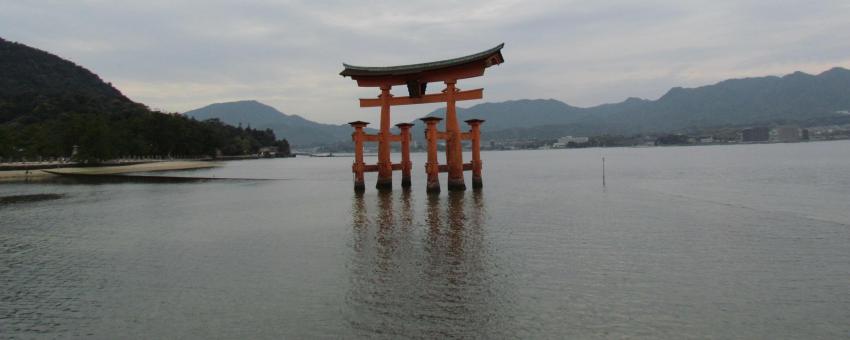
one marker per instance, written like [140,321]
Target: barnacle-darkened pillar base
[359,186]
[384,184]
[456,184]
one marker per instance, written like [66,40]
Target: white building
[570,139]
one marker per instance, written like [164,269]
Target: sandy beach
[21,175]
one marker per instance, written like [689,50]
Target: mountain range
[794,98]
[38,87]
[797,98]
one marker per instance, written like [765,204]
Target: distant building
[570,139]
[706,140]
[268,152]
[756,134]
[787,134]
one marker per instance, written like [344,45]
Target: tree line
[50,107]
[54,127]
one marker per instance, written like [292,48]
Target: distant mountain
[797,97]
[518,113]
[297,130]
[794,97]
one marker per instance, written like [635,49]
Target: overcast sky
[179,55]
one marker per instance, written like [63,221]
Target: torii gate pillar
[475,135]
[432,167]
[385,165]
[454,150]
[359,167]
[406,164]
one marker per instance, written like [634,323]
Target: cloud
[181,55]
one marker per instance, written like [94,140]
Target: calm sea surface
[743,241]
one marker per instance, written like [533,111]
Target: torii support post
[475,135]
[385,165]
[359,166]
[406,164]
[432,167]
[454,148]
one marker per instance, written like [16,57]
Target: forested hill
[48,105]
[797,97]
[36,83]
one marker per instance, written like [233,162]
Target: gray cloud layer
[179,55]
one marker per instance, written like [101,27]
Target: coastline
[27,175]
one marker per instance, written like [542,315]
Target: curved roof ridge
[353,70]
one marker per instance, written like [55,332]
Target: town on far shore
[756,134]
[727,135]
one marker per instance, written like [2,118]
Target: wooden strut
[360,167]
[432,167]
[426,99]
[453,136]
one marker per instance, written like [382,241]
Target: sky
[180,55]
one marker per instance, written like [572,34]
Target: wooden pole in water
[475,133]
[454,148]
[432,167]
[385,166]
[359,166]
[406,164]
[603,172]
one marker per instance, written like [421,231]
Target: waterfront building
[787,134]
[755,134]
[566,140]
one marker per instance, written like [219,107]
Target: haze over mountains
[38,87]
[297,130]
[795,98]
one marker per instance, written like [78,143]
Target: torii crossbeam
[416,78]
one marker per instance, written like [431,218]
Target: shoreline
[28,175]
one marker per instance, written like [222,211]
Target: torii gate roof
[489,57]
[417,76]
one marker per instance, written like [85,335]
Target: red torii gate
[416,77]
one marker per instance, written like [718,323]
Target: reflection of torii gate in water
[416,77]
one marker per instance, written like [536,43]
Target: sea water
[738,241]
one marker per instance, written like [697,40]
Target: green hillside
[48,105]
